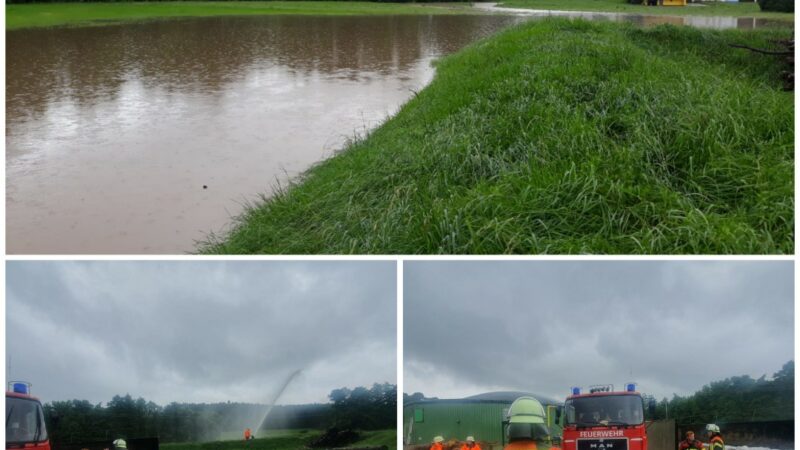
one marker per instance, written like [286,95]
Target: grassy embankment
[82,14]
[285,440]
[560,136]
[727,9]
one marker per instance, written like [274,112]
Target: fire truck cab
[25,427]
[604,419]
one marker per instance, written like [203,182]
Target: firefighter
[470,444]
[437,443]
[690,442]
[120,443]
[526,427]
[715,441]
[247,434]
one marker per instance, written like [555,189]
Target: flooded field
[144,138]
[712,22]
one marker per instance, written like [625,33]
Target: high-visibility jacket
[716,443]
[687,444]
[437,446]
[247,434]
[474,447]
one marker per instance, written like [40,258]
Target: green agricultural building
[481,416]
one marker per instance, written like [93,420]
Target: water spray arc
[275,398]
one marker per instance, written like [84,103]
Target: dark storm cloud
[545,326]
[199,331]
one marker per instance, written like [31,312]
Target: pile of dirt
[336,437]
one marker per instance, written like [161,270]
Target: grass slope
[286,440]
[560,136]
[81,14]
[727,9]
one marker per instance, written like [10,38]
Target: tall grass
[560,136]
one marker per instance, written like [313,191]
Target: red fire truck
[604,419]
[25,427]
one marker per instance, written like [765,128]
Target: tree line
[735,399]
[75,421]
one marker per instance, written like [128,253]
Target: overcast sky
[673,326]
[199,331]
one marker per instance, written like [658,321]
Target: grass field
[560,136]
[58,14]
[284,440]
[728,9]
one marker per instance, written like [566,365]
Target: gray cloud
[544,326]
[199,331]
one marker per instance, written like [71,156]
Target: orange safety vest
[246,434]
[437,446]
[474,447]
[521,445]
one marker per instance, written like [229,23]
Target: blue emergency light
[630,387]
[576,391]
[20,387]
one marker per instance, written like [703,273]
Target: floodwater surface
[714,22]
[144,138]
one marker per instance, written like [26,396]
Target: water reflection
[646,20]
[113,132]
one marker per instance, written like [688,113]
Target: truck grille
[602,444]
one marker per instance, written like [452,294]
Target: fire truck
[604,419]
[25,427]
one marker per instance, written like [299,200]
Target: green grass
[711,8]
[283,440]
[560,136]
[237,435]
[82,14]
[377,439]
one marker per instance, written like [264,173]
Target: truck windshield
[605,410]
[24,421]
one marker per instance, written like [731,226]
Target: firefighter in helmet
[526,426]
[690,443]
[715,441]
[470,444]
[437,443]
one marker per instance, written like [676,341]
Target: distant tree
[415,397]
[362,408]
[738,398]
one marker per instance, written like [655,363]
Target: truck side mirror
[651,408]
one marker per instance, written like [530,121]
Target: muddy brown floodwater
[144,138]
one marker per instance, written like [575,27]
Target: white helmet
[120,443]
[438,439]
[470,439]
[712,428]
